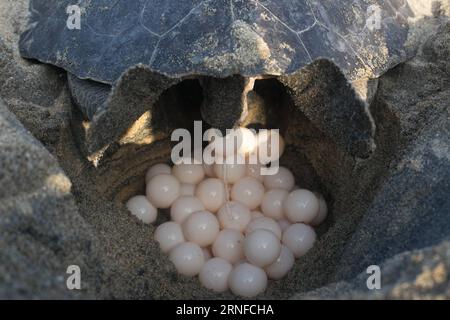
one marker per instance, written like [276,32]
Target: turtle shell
[217,38]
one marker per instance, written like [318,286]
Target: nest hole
[317,162]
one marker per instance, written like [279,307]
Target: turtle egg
[301,206]
[323,211]
[283,179]
[232,169]
[169,235]
[234,215]
[272,203]
[299,238]
[284,224]
[229,245]
[247,280]
[188,173]
[163,190]
[160,168]
[214,274]
[266,224]
[254,171]
[201,228]
[140,207]
[211,193]
[248,191]
[188,258]
[282,265]
[187,189]
[183,207]
[262,247]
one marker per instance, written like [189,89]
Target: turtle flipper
[89,96]
[324,95]
[112,112]
[136,92]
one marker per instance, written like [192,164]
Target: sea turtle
[227,44]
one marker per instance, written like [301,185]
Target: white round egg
[214,274]
[283,179]
[234,215]
[162,190]
[273,202]
[262,247]
[141,208]
[211,193]
[229,245]
[169,235]
[247,280]
[266,224]
[188,173]
[159,168]
[299,238]
[248,191]
[183,207]
[188,258]
[201,228]
[301,205]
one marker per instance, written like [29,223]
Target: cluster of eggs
[229,224]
